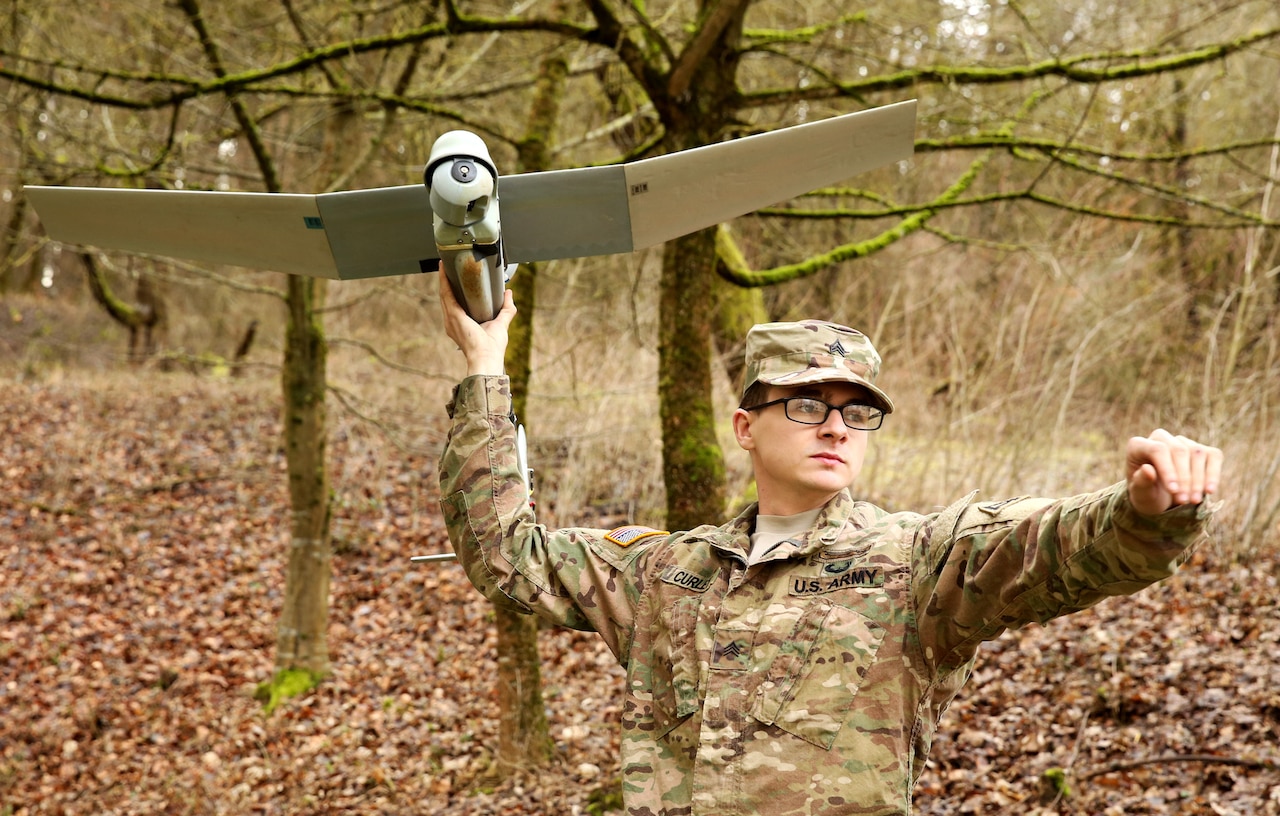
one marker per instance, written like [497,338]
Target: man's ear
[742,429]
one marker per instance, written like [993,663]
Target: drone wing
[556,214]
[357,234]
[601,210]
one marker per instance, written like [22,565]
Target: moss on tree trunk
[692,460]
[302,633]
[524,739]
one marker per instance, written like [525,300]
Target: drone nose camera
[462,184]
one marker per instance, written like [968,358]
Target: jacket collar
[841,511]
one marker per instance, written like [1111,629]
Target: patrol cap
[813,351]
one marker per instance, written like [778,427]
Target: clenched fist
[1164,471]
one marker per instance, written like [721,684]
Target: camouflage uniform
[812,681]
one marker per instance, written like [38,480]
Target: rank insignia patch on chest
[626,536]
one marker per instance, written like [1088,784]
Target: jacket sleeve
[982,568]
[573,577]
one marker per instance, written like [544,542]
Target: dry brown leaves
[142,544]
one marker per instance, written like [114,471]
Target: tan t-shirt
[772,530]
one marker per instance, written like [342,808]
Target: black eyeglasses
[813,411]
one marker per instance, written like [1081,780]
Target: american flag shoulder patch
[626,536]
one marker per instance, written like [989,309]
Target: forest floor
[143,538]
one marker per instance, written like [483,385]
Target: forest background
[1084,247]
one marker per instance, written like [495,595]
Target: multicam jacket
[811,682]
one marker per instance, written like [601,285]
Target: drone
[549,215]
[543,216]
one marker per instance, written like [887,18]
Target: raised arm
[484,345]
[572,577]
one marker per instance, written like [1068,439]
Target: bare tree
[1029,123]
[524,739]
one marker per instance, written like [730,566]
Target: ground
[143,536]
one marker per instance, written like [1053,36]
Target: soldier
[797,659]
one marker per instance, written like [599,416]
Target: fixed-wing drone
[543,216]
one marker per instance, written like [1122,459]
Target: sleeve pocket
[663,683]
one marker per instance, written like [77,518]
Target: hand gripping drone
[544,216]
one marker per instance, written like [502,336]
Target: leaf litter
[143,537]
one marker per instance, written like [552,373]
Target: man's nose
[834,425]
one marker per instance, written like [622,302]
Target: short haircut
[755,394]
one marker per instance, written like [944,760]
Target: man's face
[799,467]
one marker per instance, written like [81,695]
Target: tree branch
[696,50]
[373,352]
[860,249]
[295,20]
[1247,219]
[1152,187]
[161,156]
[123,313]
[246,80]
[982,141]
[270,175]
[757,37]
[1130,764]
[191,270]
[349,400]
[610,34]
[1131,64]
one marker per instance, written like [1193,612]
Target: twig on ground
[1130,764]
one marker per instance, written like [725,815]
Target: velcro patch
[626,536]
[681,577]
[993,508]
[862,577]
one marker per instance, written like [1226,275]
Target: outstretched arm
[997,565]
[1164,471]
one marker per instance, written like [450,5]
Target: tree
[302,646]
[524,739]
[1035,130]
[695,85]
[141,320]
[302,649]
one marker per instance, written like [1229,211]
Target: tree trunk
[695,103]
[140,320]
[524,739]
[302,634]
[302,637]
[692,460]
[10,248]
